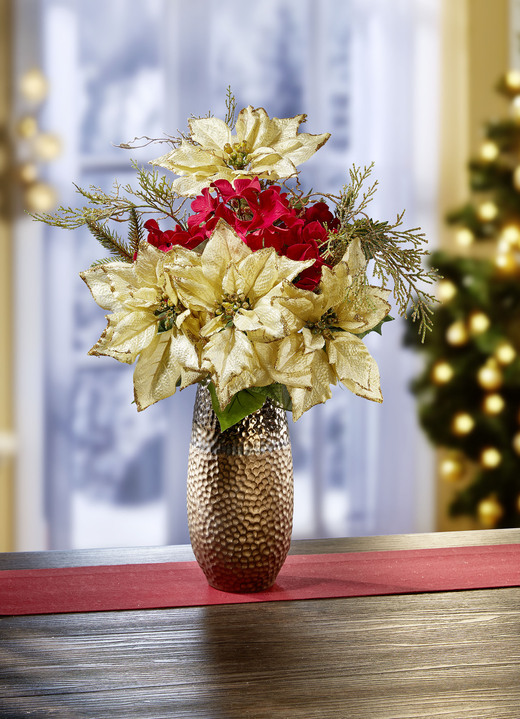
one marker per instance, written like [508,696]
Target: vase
[240,496]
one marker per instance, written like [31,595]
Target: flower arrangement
[262,289]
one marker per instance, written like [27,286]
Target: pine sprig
[135,231]
[102,261]
[110,240]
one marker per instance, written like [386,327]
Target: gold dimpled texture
[240,496]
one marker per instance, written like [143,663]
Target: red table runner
[314,576]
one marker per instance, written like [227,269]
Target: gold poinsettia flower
[328,322]
[263,147]
[148,323]
[235,289]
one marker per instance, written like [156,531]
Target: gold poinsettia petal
[265,269]
[161,365]
[322,377]
[364,311]
[126,335]
[354,258]
[211,132]
[192,185]
[224,248]
[272,146]
[110,283]
[230,358]
[303,306]
[355,366]
[214,324]
[229,269]
[258,130]
[285,362]
[190,283]
[263,324]
[189,158]
[312,342]
[269,164]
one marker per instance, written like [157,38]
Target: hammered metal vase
[240,496]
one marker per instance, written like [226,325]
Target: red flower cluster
[262,218]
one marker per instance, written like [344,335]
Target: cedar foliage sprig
[231,109]
[124,204]
[396,253]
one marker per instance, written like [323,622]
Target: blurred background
[407,84]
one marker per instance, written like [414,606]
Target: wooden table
[454,655]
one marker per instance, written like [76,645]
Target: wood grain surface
[454,655]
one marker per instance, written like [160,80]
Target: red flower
[165,240]
[262,218]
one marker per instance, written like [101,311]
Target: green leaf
[378,328]
[243,403]
[280,396]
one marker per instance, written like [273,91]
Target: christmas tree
[469,392]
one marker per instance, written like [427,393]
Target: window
[363,70]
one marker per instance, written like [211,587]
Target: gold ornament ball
[442,372]
[464,237]
[452,467]
[478,323]
[516,443]
[505,353]
[515,106]
[516,178]
[40,197]
[511,233]
[518,503]
[47,146]
[28,173]
[489,150]
[487,211]
[446,290]
[5,160]
[506,262]
[512,79]
[490,458]
[489,511]
[27,127]
[457,334]
[493,404]
[489,377]
[462,423]
[33,85]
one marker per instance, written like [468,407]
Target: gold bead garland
[505,353]
[478,323]
[489,150]
[493,404]
[489,375]
[452,467]
[442,372]
[462,424]
[446,290]
[464,237]
[490,458]
[457,334]
[487,211]
[489,511]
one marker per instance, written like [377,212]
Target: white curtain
[364,70]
